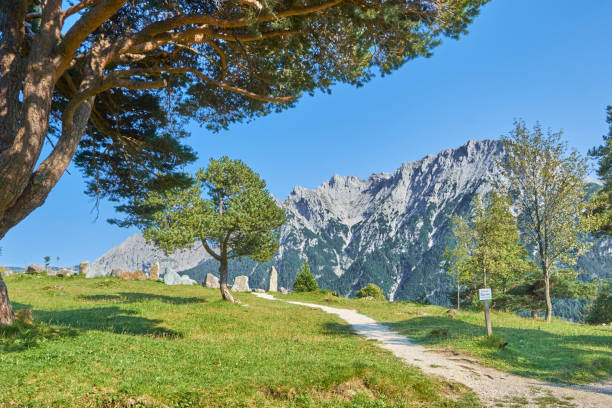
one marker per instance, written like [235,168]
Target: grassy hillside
[559,351]
[111,343]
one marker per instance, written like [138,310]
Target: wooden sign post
[485,295]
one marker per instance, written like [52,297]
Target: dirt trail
[494,387]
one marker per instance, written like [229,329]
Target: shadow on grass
[21,336]
[137,297]
[529,353]
[111,319]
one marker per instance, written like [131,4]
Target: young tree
[487,249]
[305,280]
[457,256]
[239,217]
[549,192]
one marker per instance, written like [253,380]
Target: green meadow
[559,351]
[111,343]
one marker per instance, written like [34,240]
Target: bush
[371,291]
[305,280]
[601,310]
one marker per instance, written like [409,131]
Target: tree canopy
[602,201]
[547,185]
[487,251]
[114,81]
[239,217]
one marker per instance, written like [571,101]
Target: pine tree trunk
[7,317]
[223,275]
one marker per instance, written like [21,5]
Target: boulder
[84,268]
[172,278]
[139,275]
[283,291]
[260,291]
[186,280]
[116,273]
[273,286]
[92,273]
[35,269]
[64,273]
[136,275]
[154,271]
[212,281]
[241,284]
[51,272]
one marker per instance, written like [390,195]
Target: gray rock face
[84,268]
[241,284]
[35,269]
[273,286]
[212,281]
[173,278]
[154,271]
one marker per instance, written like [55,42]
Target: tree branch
[210,251]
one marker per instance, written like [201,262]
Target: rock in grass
[154,271]
[283,291]
[64,273]
[84,268]
[241,284]
[212,281]
[173,278]
[116,273]
[35,269]
[273,286]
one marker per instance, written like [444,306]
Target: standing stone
[241,284]
[273,287]
[212,281]
[172,278]
[154,271]
[84,268]
[35,269]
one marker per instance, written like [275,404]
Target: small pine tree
[371,290]
[305,280]
[601,310]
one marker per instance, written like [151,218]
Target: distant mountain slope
[390,229]
[134,253]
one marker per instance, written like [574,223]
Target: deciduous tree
[487,250]
[547,184]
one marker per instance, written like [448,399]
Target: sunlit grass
[559,351]
[111,343]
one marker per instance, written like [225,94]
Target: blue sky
[546,60]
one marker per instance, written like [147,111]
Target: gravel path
[494,387]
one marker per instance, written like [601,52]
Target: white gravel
[494,387]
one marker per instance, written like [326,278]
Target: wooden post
[487,317]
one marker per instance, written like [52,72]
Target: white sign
[485,294]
